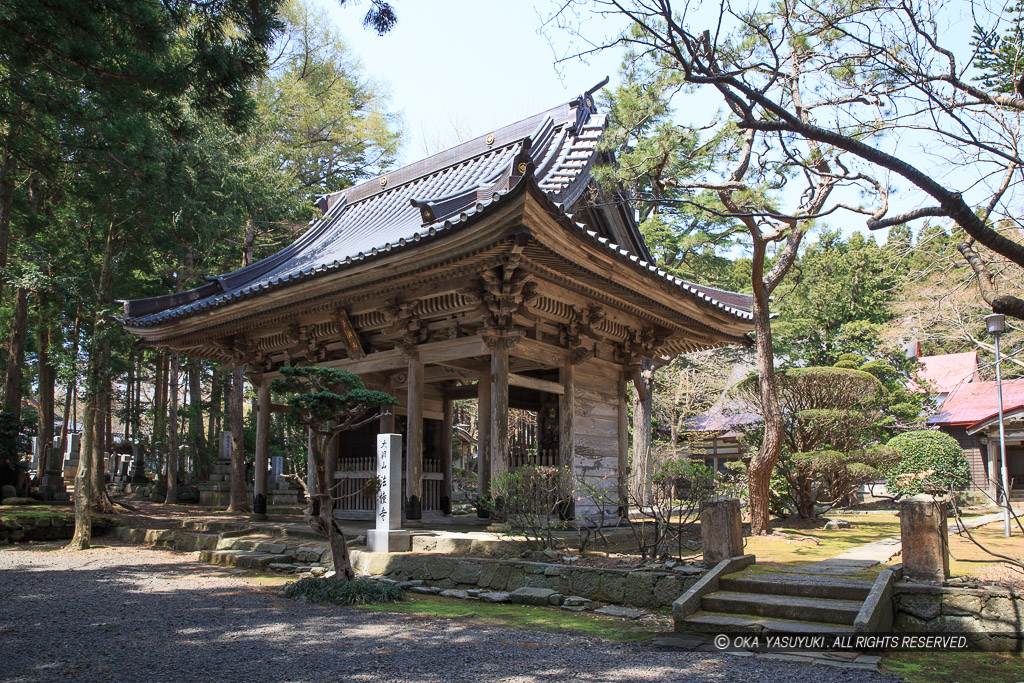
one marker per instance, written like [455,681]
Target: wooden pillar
[623,437]
[446,457]
[640,467]
[566,412]
[414,442]
[259,491]
[483,442]
[499,410]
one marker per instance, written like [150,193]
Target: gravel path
[124,613]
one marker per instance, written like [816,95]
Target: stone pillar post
[721,530]
[259,497]
[925,537]
[446,457]
[388,535]
[483,442]
[414,443]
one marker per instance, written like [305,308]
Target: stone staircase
[754,601]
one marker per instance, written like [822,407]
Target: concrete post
[925,537]
[721,530]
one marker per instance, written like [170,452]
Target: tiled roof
[720,419]
[429,198]
[974,402]
[946,372]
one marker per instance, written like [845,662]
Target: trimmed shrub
[929,462]
[336,591]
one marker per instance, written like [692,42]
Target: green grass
[34,512]
[521,617]
[955,667]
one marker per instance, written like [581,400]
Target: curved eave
[737,321]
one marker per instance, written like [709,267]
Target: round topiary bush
[928,462]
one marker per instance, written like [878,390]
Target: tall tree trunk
[160,411]
[7,183]
[197,433]
[323,505]
[47,378]
[102,389]
[83,478]
[172,433]
[239,497]
[69,396]
[213,420]
[761,465]
[16,356]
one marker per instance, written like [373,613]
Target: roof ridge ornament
[585,106]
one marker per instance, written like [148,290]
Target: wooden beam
[463,392]
[534,383]
[348,334]
[452,349]
[539,352]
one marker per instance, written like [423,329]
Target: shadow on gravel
[158,621]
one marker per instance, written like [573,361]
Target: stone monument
[70,465]
[388,536]
[721,530]
[52,487]
[217,491]
[925,536]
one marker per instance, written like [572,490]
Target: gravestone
[37,449]
[925,537]
[388,536]
[217,491]
[70,465]
[52,487]
[721,530]
[276,470]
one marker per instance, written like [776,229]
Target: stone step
[245,559]
[169,538]
[782,607]
[799,585]
[710,622]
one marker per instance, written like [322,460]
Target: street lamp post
[996,325]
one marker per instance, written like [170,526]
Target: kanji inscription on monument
[387,536]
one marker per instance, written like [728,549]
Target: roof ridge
[504,136]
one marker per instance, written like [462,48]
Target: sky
[457,69]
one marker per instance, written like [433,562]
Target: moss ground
[955,667]
[779,551]
[525,617]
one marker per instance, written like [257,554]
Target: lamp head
[996,323]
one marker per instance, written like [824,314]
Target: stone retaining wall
[46,528]
[619,586]
[992,617]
